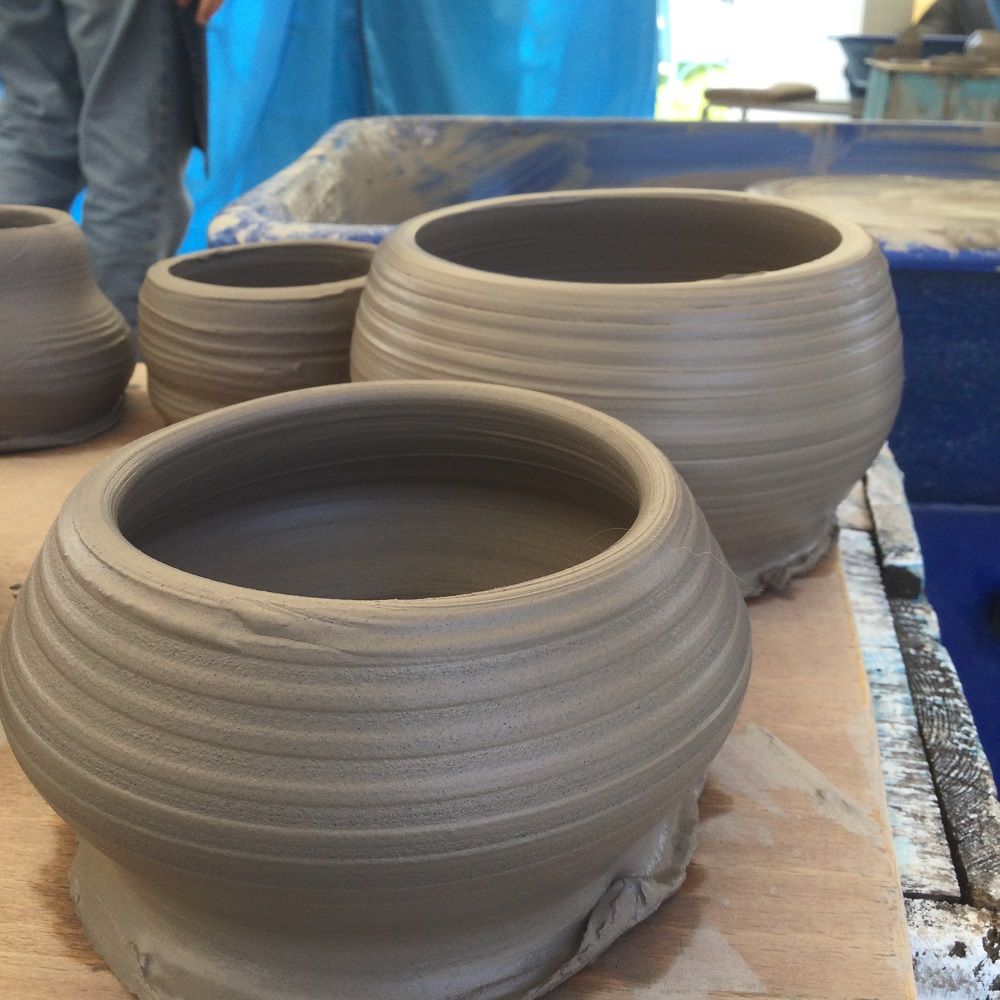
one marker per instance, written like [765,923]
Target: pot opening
[275,265]
[389,500]
[16,217]
[629,240]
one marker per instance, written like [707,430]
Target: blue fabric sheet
[512,57]
[281,72]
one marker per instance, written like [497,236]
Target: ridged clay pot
[754,341]
[227,325]
[402,691]
[65,353]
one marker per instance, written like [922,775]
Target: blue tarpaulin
[281,72]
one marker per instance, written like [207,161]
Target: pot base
[780,574]
[168,951]
[62,438]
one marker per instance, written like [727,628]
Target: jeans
[98,95]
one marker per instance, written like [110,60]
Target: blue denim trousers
[98,95]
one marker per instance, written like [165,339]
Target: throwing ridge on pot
[65,352]
[227,325]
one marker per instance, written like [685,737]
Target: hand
[206,8]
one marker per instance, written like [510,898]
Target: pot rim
[44,217]
[161,276]
[96,501]
[855,241]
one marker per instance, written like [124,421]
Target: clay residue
[731,828]
[905,210]
[422,165]
[955,952]
[626,903]
[707,966]
[755,763]
[661,860]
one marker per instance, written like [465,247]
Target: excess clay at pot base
[453,758]
[755,341]
[227,325]
[65,355]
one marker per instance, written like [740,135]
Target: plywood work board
[793,892]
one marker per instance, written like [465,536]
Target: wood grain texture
[793,892]
[922,852]
[958,764]
[899,549]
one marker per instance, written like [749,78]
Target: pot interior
[275,265]
[629,240]
[16,217]
[390,502]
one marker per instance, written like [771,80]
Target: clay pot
[224,326]
[65,353]
[755,342]
[374,691]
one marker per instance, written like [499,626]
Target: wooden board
[923,854]
[793,892]
[957,761]
[902,562]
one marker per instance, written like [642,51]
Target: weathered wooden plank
[923,856]
[899,549]
[853,510]
[958,765]
[956,950]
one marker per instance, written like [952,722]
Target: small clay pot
[65,353]
[374,691]
[756,342]
[227,325]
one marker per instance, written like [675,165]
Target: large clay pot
[224,326]
[374,691]
[755,342]
[65,353]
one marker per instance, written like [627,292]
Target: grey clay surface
[227,325]
[402,690]
[755,341]
[65,353]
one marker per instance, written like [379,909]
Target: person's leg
[136,131]
[40,106]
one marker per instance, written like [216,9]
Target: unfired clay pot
[65,354]
[224,326]
[755,342]
[401,691]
